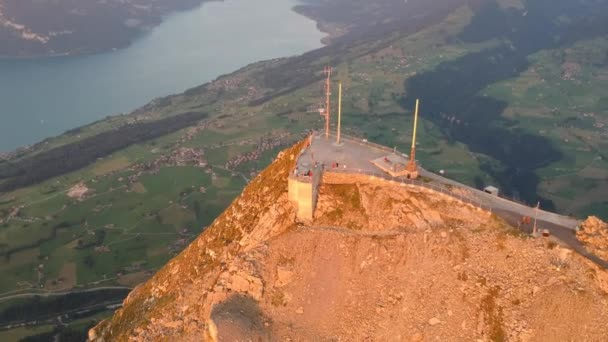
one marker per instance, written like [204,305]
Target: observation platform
[359,156]
[325,154]
[352,154]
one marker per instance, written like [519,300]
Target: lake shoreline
[31,120]
[326,40]
[151,21]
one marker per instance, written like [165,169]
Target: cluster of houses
[601,125]
[265,144]
[233,83]
[570,71]
[183,156]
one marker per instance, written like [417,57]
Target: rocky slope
[594,234]
[379,262]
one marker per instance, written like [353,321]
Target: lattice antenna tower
[326,113]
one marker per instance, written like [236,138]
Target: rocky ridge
[378,262]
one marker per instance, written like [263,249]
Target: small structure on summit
[395,164]
[324,159]
[492,190]
[344,155]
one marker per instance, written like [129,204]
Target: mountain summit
[378,261]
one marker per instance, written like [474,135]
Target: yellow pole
[415,125]
[411,166]
[339,109]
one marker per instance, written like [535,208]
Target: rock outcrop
[594,234]
[378,262]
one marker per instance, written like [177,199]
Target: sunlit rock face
[378,262]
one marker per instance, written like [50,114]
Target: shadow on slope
[240,318]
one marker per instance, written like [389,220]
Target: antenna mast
[411,165]
[339,111]
[327,102]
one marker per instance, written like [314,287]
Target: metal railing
[506,203]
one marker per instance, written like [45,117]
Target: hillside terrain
[343,19]
[378,262]
[67,27]
[520,106]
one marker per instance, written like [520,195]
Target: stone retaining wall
[352,178]
[303,193]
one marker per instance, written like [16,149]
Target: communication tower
[326,112]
